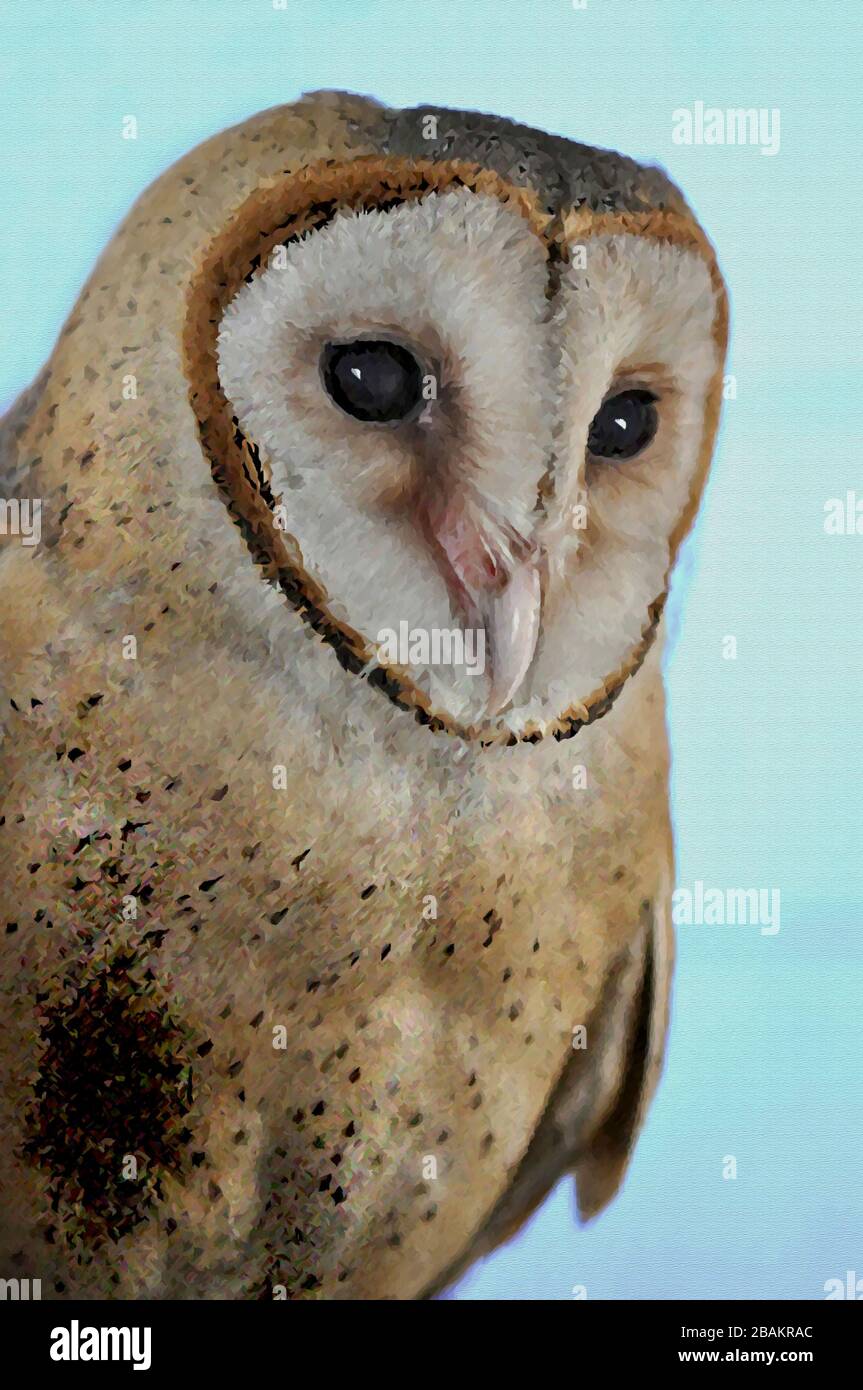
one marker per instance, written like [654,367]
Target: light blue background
[765,1054]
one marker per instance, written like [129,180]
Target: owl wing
[600,1114]
[595,1111]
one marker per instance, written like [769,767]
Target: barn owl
[336,862]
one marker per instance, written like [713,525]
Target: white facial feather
[459,278]
[641,312]
[462,281]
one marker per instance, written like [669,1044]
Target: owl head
[459,390]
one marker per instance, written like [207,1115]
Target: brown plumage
[303,933]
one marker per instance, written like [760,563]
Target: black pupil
[623,426]
[372,380]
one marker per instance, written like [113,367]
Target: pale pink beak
[499,587]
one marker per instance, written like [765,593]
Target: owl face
[474,429]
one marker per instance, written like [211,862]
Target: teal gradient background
[765,1047]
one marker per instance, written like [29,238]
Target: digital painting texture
[430,559]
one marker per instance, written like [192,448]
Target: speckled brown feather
[304,1169]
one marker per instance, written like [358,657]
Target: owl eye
[372,380]
[623,425]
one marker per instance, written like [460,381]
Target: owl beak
[512,628]
[496,581]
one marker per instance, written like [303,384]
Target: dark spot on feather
[494,923]
[209,883]
[130,826]
[114,1081]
